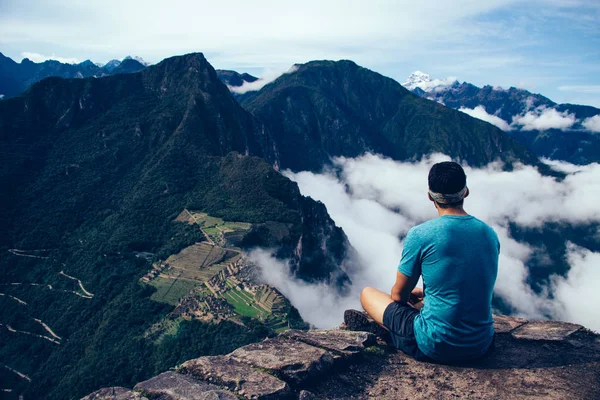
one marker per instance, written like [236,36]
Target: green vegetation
[241,307]
[170,290]
[327,109]
[217,229]
[97,170]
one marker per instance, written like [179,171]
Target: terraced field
[244,304]
[170,290]
[189,268]
[218,230]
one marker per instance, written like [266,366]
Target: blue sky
[550,47]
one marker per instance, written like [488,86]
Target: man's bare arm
[403,287]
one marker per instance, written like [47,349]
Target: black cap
[447,177]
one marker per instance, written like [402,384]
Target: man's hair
[447,177]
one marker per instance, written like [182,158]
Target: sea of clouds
[540,119]
[268,76]
[377,200]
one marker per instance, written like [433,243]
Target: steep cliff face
[532,359]
[94,172]
[327,109]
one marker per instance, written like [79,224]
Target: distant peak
[87,63]
[423,81]
[138,59]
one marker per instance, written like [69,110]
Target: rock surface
[532,360]
[340,343]
[292,360]
[505,324]
[244,379]
[114,393]
[174,386]
[545,330]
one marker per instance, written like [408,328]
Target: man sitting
[457,255]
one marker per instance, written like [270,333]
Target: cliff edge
[532,359]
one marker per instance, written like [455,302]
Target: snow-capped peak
[423,81]
[112,64]
[138,59]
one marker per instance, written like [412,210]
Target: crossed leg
[375,302]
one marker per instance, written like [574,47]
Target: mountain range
[95,171]
[15,77]
[326,109]
[566,132]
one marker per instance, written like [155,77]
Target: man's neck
[451,211]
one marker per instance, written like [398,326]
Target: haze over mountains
[15,77]
[559,131]
[96,171]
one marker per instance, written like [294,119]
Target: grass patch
[170,290]
[375,351]
[240,306]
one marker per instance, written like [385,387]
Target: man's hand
[416,298]
[418,292]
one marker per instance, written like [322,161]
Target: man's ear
[467,193]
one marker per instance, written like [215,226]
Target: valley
[212,281]
[131,263]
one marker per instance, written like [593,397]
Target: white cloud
[38,58]
[592,123]
[543,118]
[480,113]
[376,200]
[267,77]
[577,293]
[318,303]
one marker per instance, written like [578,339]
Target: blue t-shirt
[458,258]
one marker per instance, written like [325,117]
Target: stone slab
[545,330]
[174,386]
[341,343]
[294,361]
[114,393]
[506,324]
[239,377]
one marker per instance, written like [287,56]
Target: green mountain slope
[328,109]
[93,172]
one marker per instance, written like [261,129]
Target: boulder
[294,361]
[247,381]
[341,343]
[114,393]
[505,324]
[174,386]
[545,330]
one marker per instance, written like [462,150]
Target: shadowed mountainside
[327,109]
[94,172]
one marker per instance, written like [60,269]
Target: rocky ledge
[533,359]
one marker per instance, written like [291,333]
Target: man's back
[458,258]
